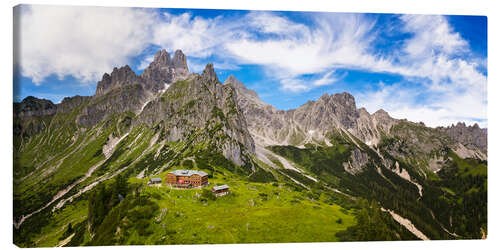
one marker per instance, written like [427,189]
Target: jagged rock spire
[165,70]
[162,57]
[209,73]
[118,78]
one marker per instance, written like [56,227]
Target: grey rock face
[356,163]
[179,65]
[472,137]
[329,111]
[32,106]
[164,70]
[209,74]
[123,90]
[119,77]
[311,121]
[203,107]
[120,91]
[126,98]
[69,104]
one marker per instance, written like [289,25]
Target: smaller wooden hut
[154,181]
[220,190]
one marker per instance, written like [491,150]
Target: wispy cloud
[145,62]
[304,84]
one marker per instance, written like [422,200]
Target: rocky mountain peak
[209,73]
[231,80]
[324,97]
[179,66]
[32,106]
[122,74]
[179,60]
[119,77]
[343,99]
[161,57]
[469,136]
[381,113]
[363,112]
[241,88]
[165,70]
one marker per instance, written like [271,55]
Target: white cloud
[341,40]
[327,79]
[294,85]
[195,36]
[403,101]
[432,33]
[83,42]
[145,62]
[266,22]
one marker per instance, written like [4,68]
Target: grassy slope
[253,212]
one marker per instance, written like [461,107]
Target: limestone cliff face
[69,104]
[311,121]
[165,70]
[118,92]
[123,90]
[120,77]
[472,137]
[329,111]
[203,107]
[32,106]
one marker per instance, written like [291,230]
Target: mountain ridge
[142,125]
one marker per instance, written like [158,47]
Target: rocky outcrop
[32,115]
[130,97]
[123,90]
[338,110]
[201,109]
[69,104]
[472,137]
[120,77]
[164,70]
[32,106]
[310,122]
[357,162]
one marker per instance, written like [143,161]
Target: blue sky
[426,68]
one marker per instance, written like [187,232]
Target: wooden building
[187,178]
[220,190]
[154,181]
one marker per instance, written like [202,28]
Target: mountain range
[425,183]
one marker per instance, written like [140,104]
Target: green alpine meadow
[164,155]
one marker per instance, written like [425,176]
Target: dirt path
[406,223]
[65,241]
